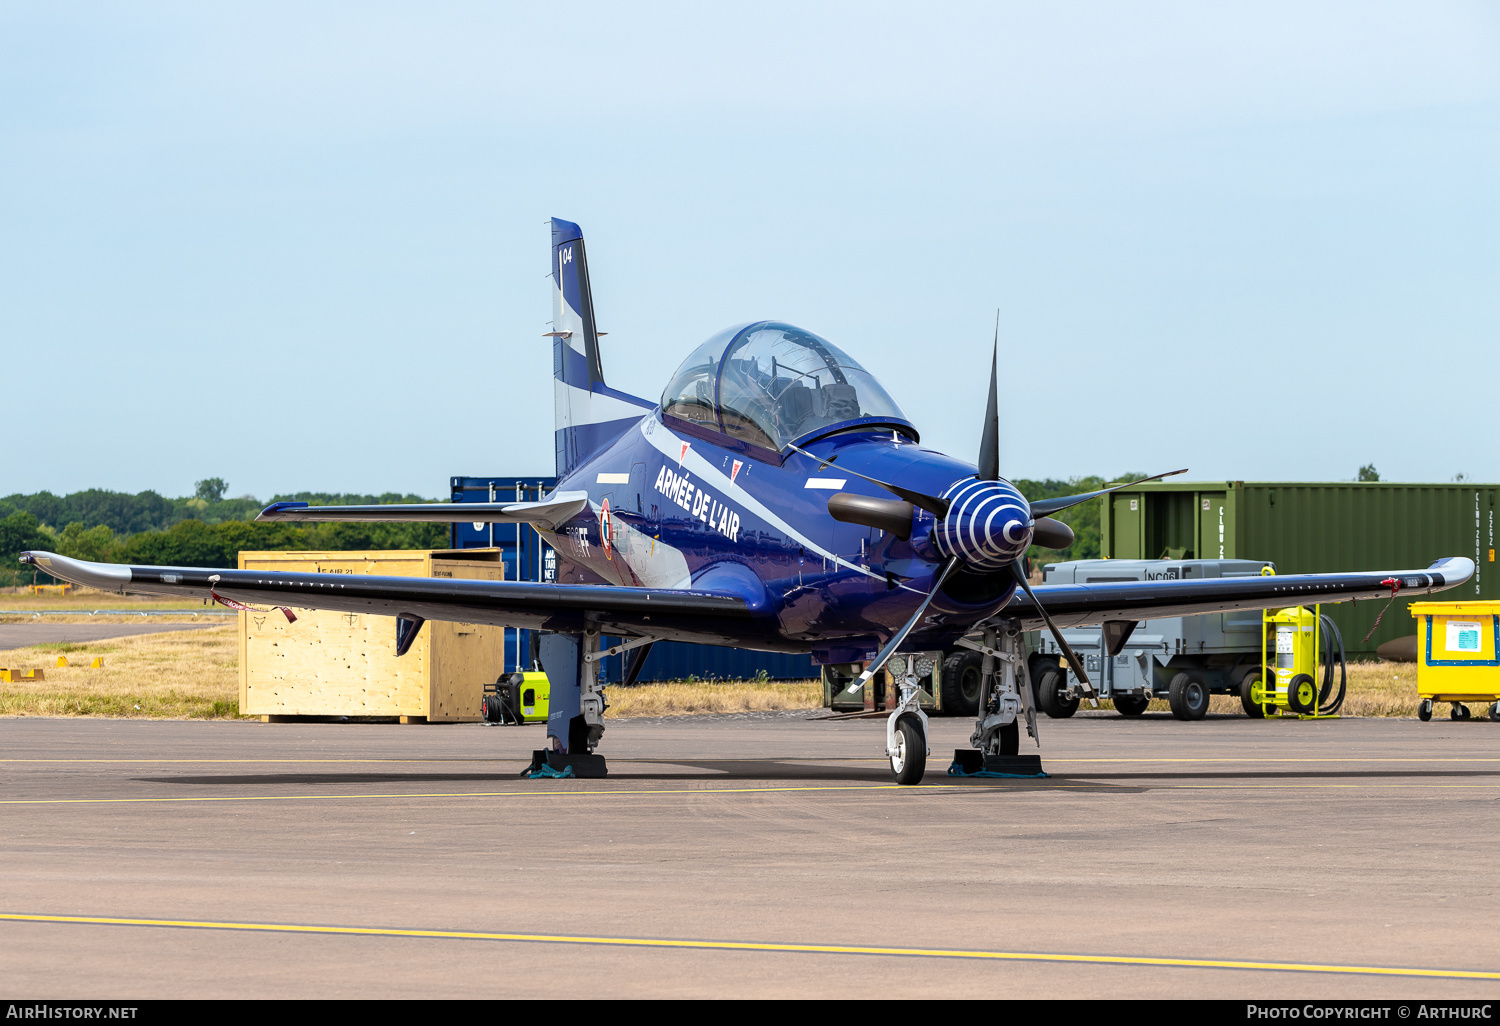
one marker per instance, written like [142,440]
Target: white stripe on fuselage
[669,444]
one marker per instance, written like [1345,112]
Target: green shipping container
[1311,528]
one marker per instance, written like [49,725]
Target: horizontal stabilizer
[550,513]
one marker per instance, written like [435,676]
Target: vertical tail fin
[588,414]
[573,304]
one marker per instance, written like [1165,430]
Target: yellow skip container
[1458,656]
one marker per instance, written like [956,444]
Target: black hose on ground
[1333,641]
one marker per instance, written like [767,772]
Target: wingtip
[275,509]
[105,576]
[1455,569]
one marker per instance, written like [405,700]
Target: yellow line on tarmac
[715,945]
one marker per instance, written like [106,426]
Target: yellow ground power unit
[1458,656]
[345,664]
[1296,644]
[518,698]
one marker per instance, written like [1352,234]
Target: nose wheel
[909,754]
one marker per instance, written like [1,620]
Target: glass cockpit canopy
[770,383]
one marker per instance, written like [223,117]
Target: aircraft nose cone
[988,524]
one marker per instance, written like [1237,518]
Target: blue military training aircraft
[776,498]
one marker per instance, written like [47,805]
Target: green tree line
[124,513]
[1083,518]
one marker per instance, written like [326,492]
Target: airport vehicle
[1182,659]
[775,498]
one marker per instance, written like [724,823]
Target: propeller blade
[1062,643]
[900,636]
[1047,507]
[931,503]
[989,444]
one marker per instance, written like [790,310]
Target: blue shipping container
[678,660]
[528,558]
[525,555]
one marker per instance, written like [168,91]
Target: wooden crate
[344,664]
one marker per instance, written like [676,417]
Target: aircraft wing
[1073,605]
[690,615]
[550,513]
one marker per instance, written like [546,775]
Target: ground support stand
[547,763]
[1004,697]
[970,762]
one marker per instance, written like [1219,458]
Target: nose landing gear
[906,727]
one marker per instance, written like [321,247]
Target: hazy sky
[303,246]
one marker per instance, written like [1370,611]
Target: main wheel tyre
[1010,738]
[1188,696]
[1037,665]
[1131,705]
[909,760]
[1424,710]
[1459,711]
[963,675]
[1051,695]
[1249,684]
[1302,694]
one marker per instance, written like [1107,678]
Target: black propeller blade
[1062,643]
[1046,507]
[989,443]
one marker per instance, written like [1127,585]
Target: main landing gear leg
[575,713]
[1004,699]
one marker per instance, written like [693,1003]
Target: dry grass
[1375,689]
[176,675]
[194,674]
[697,697]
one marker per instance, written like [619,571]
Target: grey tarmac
[20,635]
[1319,847]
